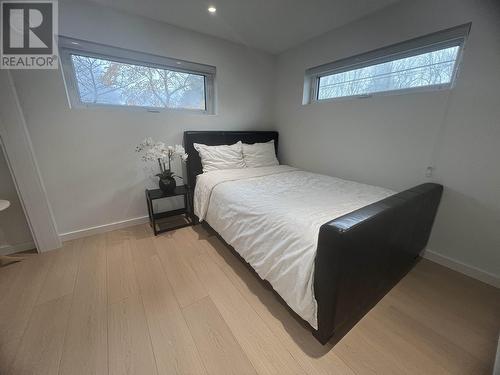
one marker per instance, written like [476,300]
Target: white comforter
[272,215]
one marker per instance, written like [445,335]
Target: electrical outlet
[429,171]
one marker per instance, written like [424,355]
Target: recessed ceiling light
[212,9]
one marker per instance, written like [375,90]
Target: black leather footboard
[363,254]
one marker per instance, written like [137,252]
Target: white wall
[389,141]
[15,235]
[86,156]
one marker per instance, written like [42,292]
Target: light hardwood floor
[126,302]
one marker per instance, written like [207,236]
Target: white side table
[4,204]
[4,260]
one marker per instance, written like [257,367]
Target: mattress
[272,215]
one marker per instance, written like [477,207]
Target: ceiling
[269,25]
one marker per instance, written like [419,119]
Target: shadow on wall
[456,228]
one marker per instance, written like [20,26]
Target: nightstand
[165,221]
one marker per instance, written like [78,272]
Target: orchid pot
[163,155]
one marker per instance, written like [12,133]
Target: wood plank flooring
[129,303]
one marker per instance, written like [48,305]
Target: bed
[330,248]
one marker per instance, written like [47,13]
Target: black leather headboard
[215,138]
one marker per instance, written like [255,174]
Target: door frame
[21,159]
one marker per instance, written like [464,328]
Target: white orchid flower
[161,153]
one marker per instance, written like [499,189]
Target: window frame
[455,36]
[71,46]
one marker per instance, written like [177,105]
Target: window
[428,62]
[102,81]
[98,75]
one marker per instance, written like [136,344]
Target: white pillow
[259,155]
[220,157]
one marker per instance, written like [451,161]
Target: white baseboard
[11,249]
[474,272]
[103,228]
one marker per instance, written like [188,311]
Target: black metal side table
[155,218]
